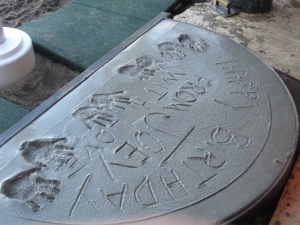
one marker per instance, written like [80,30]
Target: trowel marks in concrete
[177,121]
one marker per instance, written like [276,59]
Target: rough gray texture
[196,128]
[272,36]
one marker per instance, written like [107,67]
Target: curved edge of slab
[267,175]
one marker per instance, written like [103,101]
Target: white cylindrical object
[2,36]
[17,58]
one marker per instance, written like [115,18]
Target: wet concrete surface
[294,88]
[281,211]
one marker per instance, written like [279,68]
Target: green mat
[10,114]
[139,9]
[85,30]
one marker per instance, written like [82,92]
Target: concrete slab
[287,211]
[194,116]
[273,36]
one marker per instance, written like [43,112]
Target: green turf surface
[141,9]
[85,30]
[80,35]
[10,114]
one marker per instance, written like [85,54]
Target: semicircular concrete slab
[183,123]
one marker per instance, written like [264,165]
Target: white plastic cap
[17,58]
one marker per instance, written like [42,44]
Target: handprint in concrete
[193,43]
[30,188]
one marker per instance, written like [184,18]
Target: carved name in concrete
[173,126]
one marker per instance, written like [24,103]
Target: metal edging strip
[16,128]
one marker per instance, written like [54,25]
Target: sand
[15,13]
[49,76]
